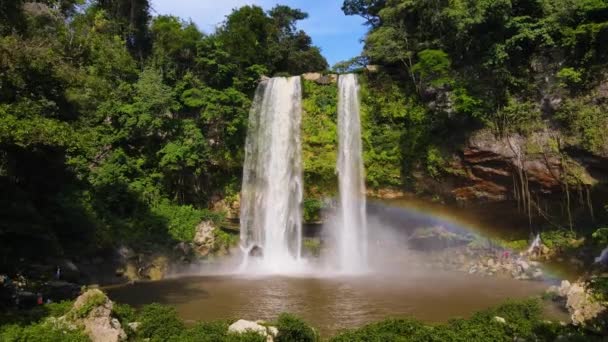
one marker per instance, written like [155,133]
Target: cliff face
[490,168]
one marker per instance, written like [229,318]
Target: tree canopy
[113,120]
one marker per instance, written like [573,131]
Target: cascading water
[271,195]
[351,229]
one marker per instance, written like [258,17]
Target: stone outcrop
[579,302]
[242,326]
[320,78]
[487,262]
[490,168]
[93,311]
[204,238]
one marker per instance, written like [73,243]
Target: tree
[368,9]
[133,17]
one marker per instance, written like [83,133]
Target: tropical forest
[303,171]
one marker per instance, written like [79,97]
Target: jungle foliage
[446,68]
[116,125]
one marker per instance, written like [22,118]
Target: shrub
[182,219]
[557,239]
[215,332]
[124,313]
[569,77]
[312,209]
[41,332]
[159,323]
[59,309]
[522,318]
[293,329]
[600,236]
[313,246]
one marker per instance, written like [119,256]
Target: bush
[159,323]
[312,209]
[558,239]
[215,332]
[125,313]
[522,318]
[59,309]
[224,240]
[41,332]
[293,329]
[182,219]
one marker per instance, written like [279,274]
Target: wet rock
[537,274]
[125,253]
[184,251]
[523,265]
[581,305]
[204,238]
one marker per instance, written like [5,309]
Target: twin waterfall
[272,189]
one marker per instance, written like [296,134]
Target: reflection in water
[329,304]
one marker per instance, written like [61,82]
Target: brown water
[405,282]
[329,304]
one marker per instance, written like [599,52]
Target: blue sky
[337,35]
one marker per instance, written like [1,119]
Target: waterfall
[603,257]
[351,229]
[535,244]
[271,195]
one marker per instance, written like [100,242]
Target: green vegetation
[312,246]
[523,320]
[292,329]
[120,127]
[96,299]
[448,68]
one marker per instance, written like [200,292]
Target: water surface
[330,304]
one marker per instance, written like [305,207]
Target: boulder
[204,238]
[523,265]
[242,326]
[564,288]
[500,320]
[93,310]
[581,305]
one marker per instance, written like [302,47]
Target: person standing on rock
[58,273]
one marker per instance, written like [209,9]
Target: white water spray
[535,244]
[351,229]
[271,195]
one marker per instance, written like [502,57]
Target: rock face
[320,78]
[243,326]
[580,303]
[491,168]
[204,238]
[93,310]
